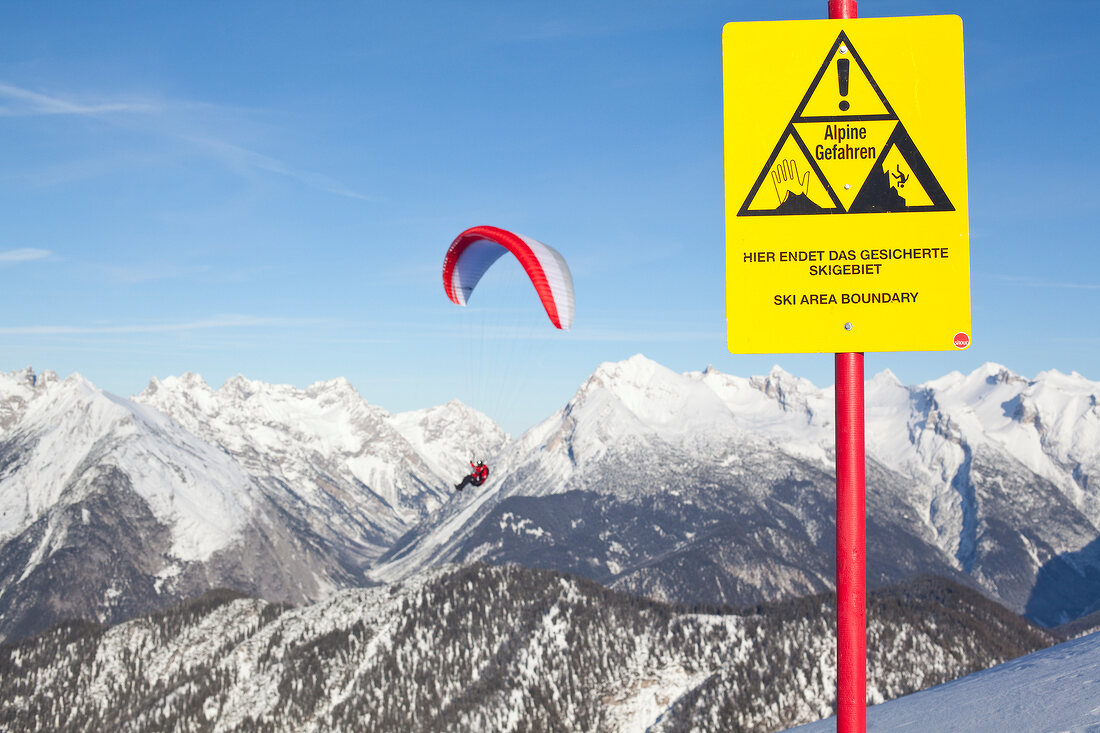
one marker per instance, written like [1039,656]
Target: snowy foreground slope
[1056,689]
[482,648]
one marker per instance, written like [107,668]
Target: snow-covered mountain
[700,487]
[69,436]
[348,470]
[480,648]
[110,507]
[705,486]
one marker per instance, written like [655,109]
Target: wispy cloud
[215,322]
[167,119]
[20,102]
[23,255]
[240,157]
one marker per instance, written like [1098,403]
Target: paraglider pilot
[477,476]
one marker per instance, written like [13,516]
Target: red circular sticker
[961,340]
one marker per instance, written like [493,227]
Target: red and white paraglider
[475,250]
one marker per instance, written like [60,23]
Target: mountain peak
[886,378]
[78,384]
[187,381]
[240,387]
[637,367]
[1072,381]
[998,373]
[946,382]
[192,379]
[26,374]
[337,388]
[26,378]
[781,385]
[626,377]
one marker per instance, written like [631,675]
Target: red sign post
[851,512]
[851,548]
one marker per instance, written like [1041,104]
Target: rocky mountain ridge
[696,487]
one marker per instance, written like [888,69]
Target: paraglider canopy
[476,249]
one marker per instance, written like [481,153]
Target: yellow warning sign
[846,200]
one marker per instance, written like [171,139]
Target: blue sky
[268,189]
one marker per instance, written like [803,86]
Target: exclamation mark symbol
[842,80]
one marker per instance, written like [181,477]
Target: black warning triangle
[892,188]
[843,91]
[794,182]
[791,183]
